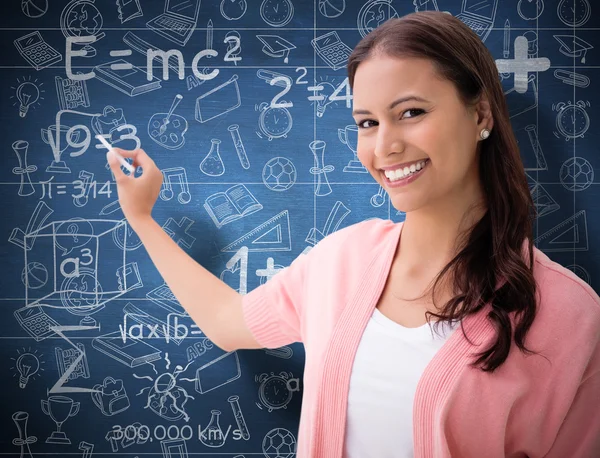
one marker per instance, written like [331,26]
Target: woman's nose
[388,141]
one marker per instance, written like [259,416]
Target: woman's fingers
[115,166]
[139,156]
[132,153]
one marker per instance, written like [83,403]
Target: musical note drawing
[167,193]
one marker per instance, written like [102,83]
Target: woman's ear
[483,113]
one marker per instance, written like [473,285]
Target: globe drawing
[81,18]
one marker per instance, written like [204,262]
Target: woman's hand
[137,195]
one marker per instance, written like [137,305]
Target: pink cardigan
[532,406]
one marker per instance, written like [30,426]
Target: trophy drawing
[51,136]
[349,137]
[59,408]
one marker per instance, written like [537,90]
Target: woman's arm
[579,434]
[213,305]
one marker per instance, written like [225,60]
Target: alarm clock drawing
[277,13]
[574,13]
[274,391]
[572,120]
[274,122]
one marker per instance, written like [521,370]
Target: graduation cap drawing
[275,46]
[573,46]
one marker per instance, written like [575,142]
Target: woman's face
[406,115]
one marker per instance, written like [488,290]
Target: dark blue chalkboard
[258,167]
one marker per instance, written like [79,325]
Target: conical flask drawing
[212,165]
[212,435]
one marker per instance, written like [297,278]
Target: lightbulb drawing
[27,365]
[323,98]
[27,93]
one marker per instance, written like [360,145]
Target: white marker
[121,159]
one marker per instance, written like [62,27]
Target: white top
[388,364]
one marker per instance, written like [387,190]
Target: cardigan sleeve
[272,310]
[579,434]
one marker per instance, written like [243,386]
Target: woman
[434,131]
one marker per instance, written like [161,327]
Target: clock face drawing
[277,13]
[274,392]
[275,122]
[574,13]
[572,121]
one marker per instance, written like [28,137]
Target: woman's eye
[364,124]
[369,122]
[417,110]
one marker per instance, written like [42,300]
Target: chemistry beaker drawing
[212,435]
[212,165]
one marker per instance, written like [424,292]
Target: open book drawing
[231,205]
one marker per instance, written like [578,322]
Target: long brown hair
[492,253]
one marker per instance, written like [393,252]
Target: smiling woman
[433,130]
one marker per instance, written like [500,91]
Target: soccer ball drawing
[279,443]
[576,174]
[279,174]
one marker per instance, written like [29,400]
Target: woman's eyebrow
[407,98]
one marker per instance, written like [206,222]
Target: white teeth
[403,172]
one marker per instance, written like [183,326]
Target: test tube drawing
[234,130]
[239,416]
[535,144]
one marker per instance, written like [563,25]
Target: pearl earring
[485,133]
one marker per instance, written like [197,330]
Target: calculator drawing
[36,51]
[332,50]
[35,321]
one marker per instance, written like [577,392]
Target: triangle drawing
[272,235]
[569,235]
